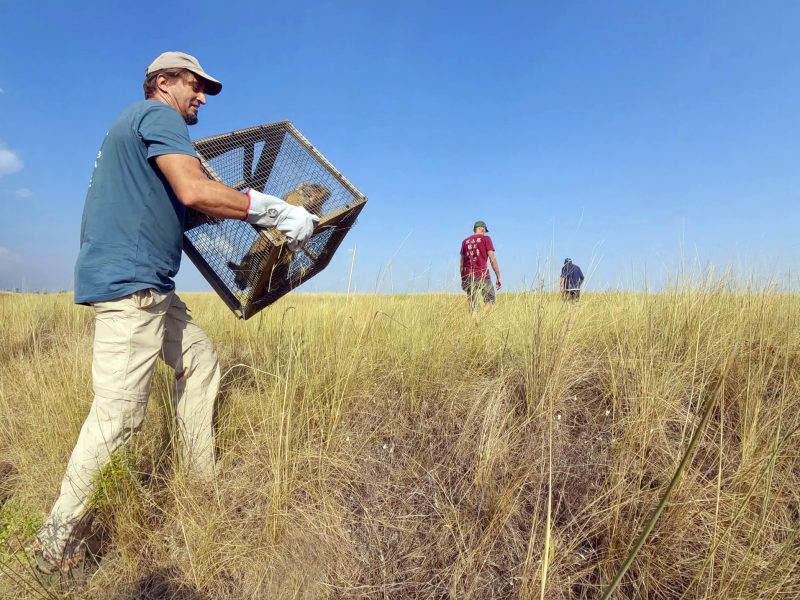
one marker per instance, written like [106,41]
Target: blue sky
[630,136]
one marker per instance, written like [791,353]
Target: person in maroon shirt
[476,251]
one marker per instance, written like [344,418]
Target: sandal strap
[48,564]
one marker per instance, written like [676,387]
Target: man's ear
[162,82]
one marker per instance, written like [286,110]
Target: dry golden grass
[389,447]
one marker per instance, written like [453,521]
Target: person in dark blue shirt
[571,280]
[145,175]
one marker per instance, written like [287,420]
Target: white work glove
[295,222]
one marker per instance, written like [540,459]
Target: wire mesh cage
[250,267]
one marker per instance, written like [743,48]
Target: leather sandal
[51,572]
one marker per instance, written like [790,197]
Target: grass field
[391,447]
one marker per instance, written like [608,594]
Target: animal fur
[310,196]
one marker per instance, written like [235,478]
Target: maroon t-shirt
[475,250]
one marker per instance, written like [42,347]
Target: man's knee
[113,410]
[198,363]
[201,356]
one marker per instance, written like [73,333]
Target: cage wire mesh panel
[250,267]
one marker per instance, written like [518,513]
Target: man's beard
[190,119]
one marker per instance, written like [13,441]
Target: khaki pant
[130,334]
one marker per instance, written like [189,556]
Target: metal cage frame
[272,277]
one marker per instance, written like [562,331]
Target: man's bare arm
[195,190]
[493,261]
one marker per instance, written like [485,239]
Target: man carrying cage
[145,175]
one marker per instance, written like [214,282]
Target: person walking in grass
[571,280]
[476,252]
[145,175]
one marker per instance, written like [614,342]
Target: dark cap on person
[480,224]
[181,60]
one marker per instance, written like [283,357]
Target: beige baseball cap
[181,60]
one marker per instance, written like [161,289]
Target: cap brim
[213,87]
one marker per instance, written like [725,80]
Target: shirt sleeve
[489,244]
[163,131]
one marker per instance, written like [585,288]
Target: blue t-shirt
[573,275]
[132,228]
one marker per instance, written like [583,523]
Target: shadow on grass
[165,584]
[8,476]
